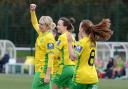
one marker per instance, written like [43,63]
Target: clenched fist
[32,7]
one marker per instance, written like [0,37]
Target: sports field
[24,82]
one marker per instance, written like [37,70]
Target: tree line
[15,23]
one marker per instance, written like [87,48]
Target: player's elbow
[73,57]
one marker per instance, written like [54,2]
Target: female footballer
[85,75]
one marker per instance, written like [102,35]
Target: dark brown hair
[69,23]
[100,31]
[56,33]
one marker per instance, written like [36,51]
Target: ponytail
[68,23]
[101,31]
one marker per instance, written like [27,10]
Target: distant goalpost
[105,50]
[8,47]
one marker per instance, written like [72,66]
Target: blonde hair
[47,20]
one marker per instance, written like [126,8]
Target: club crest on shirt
[79,48]
[41,40]
[58,42]
[50,46]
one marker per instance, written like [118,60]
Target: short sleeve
[60,43]
[79,48]
[50,45]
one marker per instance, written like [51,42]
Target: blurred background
[17,38]
[15,24]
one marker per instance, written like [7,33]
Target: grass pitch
[25,81]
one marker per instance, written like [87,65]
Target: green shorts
[55,81]
[85,86]
[38,83]
[65,79]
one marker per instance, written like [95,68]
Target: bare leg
[65,88]
[55,86]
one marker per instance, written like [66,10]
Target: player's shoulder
[50,35]
[62,37]
[86,39]
[83,42]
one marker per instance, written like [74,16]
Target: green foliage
[15,23]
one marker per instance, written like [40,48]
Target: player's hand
[32,7]
[47,79]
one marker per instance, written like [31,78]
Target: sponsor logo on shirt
[50,46]
[79,48]
[58,42]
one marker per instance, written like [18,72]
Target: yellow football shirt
[57,59]
[62,45]
[44,48]
[85,71]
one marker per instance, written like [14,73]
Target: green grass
[113,84]
[25,81]
[15,82]
[23,54]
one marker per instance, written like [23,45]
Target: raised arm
[34,18]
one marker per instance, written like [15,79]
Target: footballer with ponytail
[98,32]
[85,76]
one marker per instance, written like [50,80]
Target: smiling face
[60,26]
[42,24]
[42,27]
[46,23]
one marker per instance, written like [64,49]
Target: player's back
[85,69]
